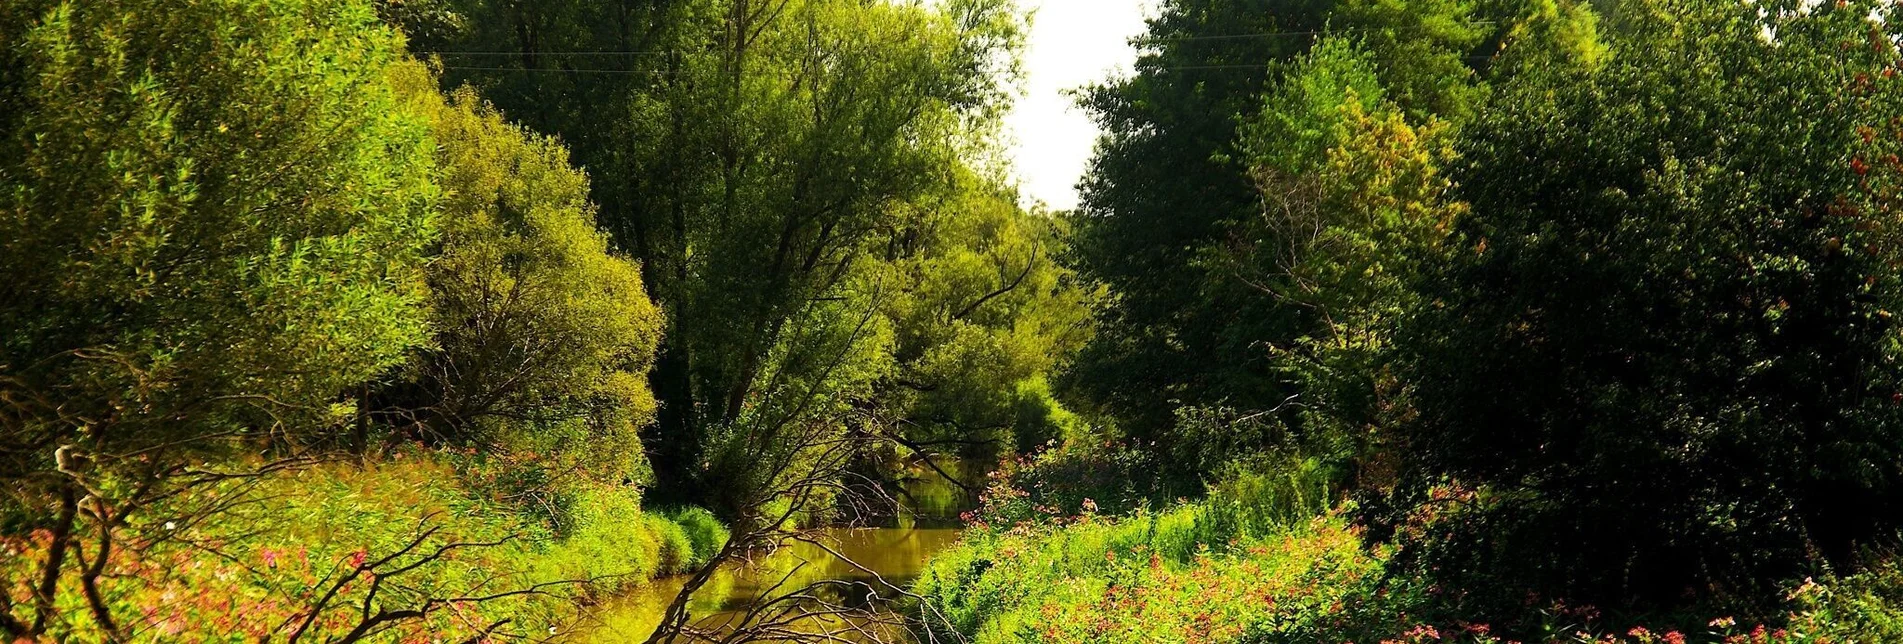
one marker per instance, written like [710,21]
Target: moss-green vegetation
[254,569]
[1243,566]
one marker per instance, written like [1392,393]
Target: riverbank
[311,549]
[1203,572]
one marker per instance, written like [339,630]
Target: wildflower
[356,559]
[1090,506]
[270,557]
[1723,622]
[1674,637]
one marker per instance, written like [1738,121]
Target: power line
[665,72]
[656,72]
[546,53]
[1270,34]
[1280,34]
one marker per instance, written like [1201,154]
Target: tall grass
[247,572]
[1267,557]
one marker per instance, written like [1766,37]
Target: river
[897,554]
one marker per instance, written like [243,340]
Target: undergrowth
[263,565]
[1270,557]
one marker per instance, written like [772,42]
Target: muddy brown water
[896,555]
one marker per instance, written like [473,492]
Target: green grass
[247,572]
[1259,561]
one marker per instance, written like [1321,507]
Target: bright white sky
[1073,43]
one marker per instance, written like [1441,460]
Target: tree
[1354,208]
[768,154]
[1662,346]
[212,222]
[984,316]
[1169,184]
[542,337]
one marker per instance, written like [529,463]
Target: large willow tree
[773,164]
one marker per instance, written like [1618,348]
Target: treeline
[1576,304]
[326,281]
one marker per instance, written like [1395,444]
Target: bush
[1109,477]
[1663,345]
[1269,493]
[705,533]
[1155,578]
[607,536]
[281,540]
[542,335]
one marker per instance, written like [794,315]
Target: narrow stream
[897,555]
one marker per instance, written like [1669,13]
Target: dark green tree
[1170,187]
[1662,346]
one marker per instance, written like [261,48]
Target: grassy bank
[328,548]
[1237,567]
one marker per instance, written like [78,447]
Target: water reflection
[893,556]
[896,555]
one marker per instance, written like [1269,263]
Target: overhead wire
[1139,40]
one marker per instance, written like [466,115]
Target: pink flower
[356,559]
[270,557]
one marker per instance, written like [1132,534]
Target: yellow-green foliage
[543,335]
[1147,579]
[213,217]
[257,567]
[704,532]
[987,312]
[609,536]
[1031,579]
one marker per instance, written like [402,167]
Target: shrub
[542,336]
[705,533]
[1663,344]
[1110,477]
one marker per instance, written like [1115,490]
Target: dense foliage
[1172,183]
[213,220]
[1581,304]
[808,188]
[1381,321]
[1678,262]
[242,240]
[543,336]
